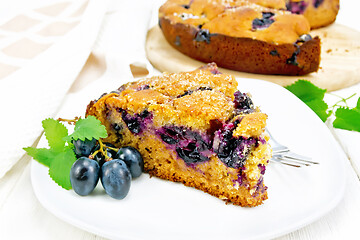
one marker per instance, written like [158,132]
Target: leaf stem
[69,121]
[92,156]
[342,99]
[103,150]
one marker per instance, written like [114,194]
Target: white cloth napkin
[122,38]
[35,90]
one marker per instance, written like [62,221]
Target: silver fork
[283,155]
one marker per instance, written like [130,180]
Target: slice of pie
[192,127]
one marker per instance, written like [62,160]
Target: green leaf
[312,96]
[88,128]
[60,156]
[42,155]
[306,91]
[320,108]
[54,132]
[347,119]
[60,166]
[358,104]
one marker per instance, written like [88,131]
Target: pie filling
[192,146]
[195,147]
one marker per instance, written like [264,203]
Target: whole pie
[255,36]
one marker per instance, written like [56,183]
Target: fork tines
[282,154]
[292,159]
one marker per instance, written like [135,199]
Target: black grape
[84,148]
[133,160]
[116,178]
[84,175]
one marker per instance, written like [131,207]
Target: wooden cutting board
[339,67]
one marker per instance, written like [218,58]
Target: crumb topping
[236,18]
[190,99]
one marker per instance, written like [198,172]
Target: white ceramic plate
[157,209]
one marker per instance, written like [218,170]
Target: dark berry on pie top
[317,3]
[143,87]
[185,6]
[296,7]
[264,22]
[242,101]
[121,88]
[189,92]
[212,68]
[204,88]
[215,71]
[267,15]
